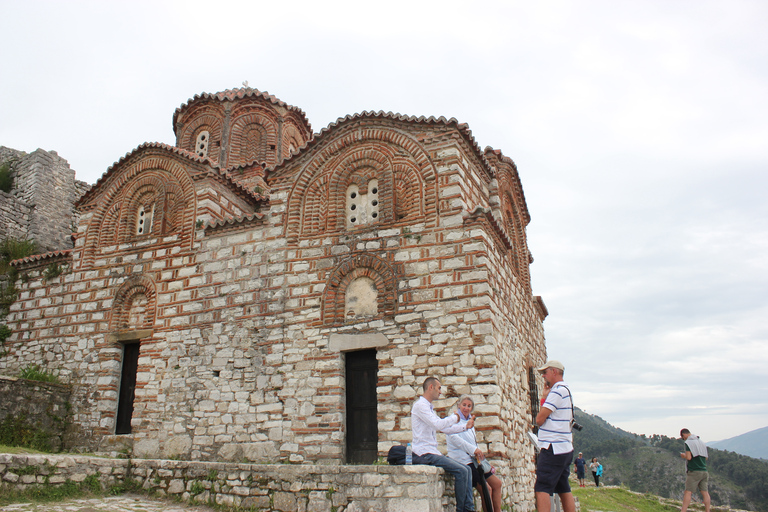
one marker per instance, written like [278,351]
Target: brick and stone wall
[274,487]
[246,306]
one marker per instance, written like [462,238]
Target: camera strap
[570,397]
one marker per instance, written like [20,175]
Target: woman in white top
[462,447]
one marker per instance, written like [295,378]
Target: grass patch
[22,450]
[620,499]
[34,372]
[89,488]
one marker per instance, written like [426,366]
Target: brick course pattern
[251,282]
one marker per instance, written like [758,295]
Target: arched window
[144,219]
[362,206]
[201,143]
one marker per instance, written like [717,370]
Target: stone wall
[43,406]
[273,487]
[41,205]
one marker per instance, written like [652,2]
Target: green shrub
[17,431]
[6,178]
[14,249]
[52,270]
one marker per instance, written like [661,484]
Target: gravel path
[124,503]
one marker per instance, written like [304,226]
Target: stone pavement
[124,503]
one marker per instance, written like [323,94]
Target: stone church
[261,292]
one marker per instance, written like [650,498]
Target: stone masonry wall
[42,406]
[40,206]
[274,487]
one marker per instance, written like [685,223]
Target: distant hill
[653,465]
[752,444]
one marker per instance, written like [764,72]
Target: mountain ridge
[752,444]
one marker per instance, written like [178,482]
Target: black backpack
[396,455]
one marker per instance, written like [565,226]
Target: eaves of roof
[234,221]
[36,258]
[505,159]
[462,128]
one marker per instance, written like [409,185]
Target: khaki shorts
[696,481]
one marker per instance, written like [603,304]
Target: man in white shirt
[555,441]
[424,426]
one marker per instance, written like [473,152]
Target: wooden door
[362,422]
[127,388]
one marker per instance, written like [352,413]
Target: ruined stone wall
[41,205]
[39,406]
[273,487]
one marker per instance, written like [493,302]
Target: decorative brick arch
[292,139]
[112,219]
[408,184]
[391,154]
[137,290]
[315,207]
[383,275]
[510,194]
[240,140]
[110,224]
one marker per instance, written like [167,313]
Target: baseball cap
[551,364]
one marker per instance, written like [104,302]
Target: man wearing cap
[581,469]
[696,476]
[555,441]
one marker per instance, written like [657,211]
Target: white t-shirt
[556,430]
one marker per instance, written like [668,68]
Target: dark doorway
[127,388]
[362,423]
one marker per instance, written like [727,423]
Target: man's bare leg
[543,502]
[705,499]
[569,504]
[686,501]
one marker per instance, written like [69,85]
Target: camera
[576,426]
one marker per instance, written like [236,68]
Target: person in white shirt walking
[555,441]
[424,426]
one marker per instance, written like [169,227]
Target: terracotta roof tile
[463,128]
[40,257]
[231,221]
[232,94]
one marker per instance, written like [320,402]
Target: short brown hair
[428,382]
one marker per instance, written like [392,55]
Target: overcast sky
[640,130]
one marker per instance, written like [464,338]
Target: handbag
[396,455]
